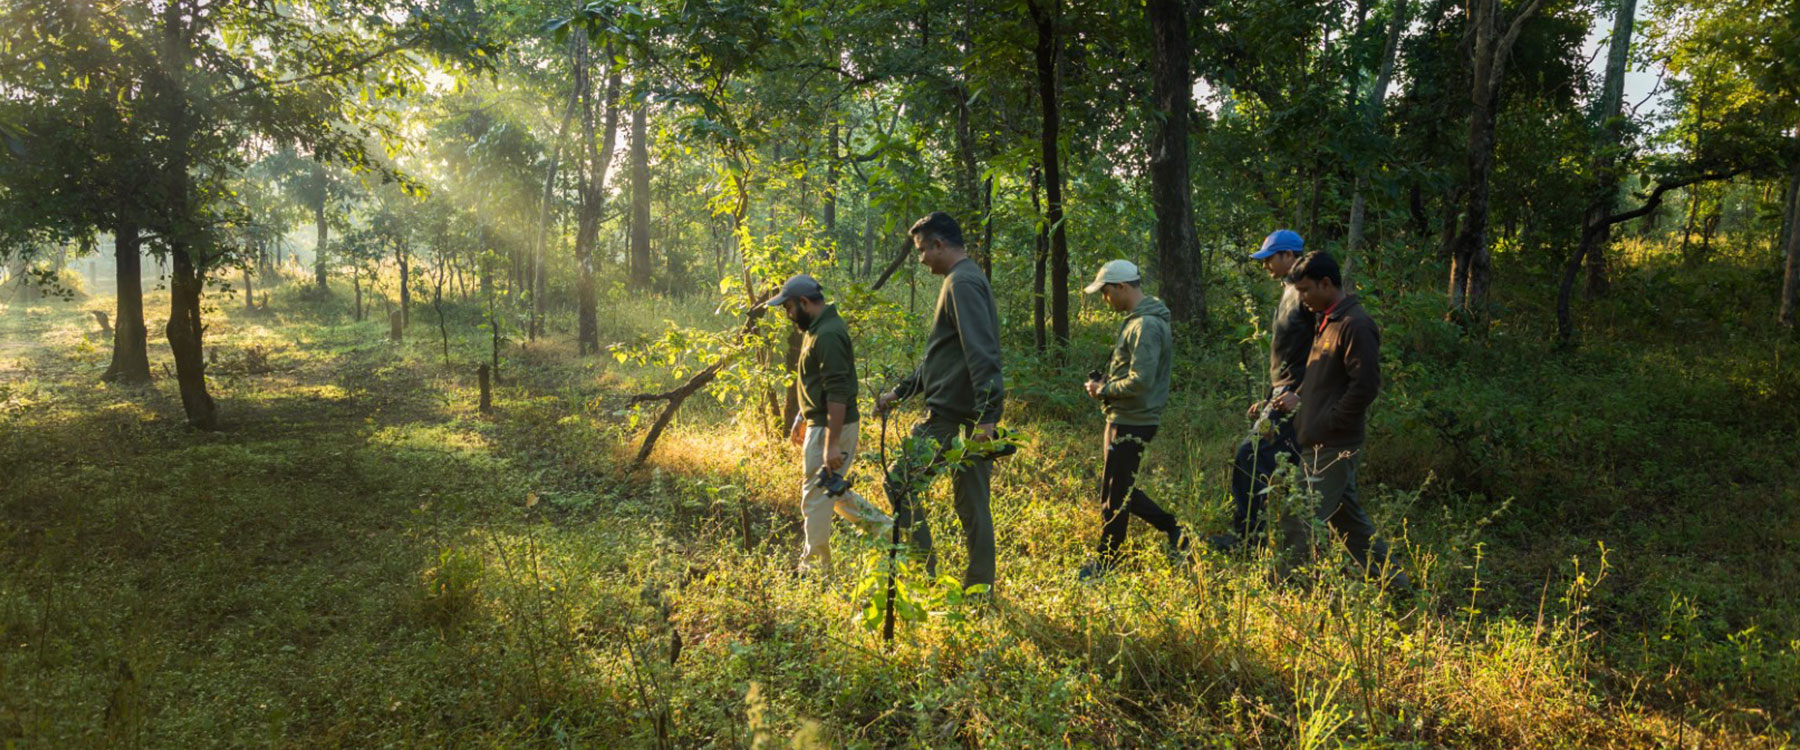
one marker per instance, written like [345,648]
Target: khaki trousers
[817,507]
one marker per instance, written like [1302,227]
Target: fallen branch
[674,398]
[899,260]
[752,318]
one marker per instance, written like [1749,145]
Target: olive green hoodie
[1137,381]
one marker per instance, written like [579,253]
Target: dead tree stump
[487,394]
[396,326]
[105,325]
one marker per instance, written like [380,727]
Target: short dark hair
[939,226]
[1316,265]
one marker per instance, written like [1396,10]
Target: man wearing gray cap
[963,389]
[1131,393]
[825,428]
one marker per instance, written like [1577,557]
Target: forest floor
[360,558]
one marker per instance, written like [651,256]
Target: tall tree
[318,190]
[1372,109]
[75,164]
[640,200]
[130,356]
[599,153]
[1789,313]
[1608,159]
[546,203]
[1471,260]
[1177,246]
[1045,19]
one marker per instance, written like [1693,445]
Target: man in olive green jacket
[825,428]
[1132,393]
[963,389]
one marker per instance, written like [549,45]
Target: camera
[833,483]
[1094,375]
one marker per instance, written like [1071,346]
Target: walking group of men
[1325,371]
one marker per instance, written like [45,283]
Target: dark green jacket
[960,376]
[827,368]
[1343,375]
[1137,380]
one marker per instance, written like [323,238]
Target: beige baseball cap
[1115,271]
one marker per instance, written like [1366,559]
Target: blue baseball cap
[1280,241]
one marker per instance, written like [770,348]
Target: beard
[802,320]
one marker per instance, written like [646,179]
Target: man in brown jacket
[1343,375]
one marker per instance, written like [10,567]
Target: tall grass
[360,558]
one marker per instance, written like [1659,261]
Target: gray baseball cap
[799,286]
[1114,272]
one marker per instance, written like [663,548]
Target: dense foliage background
[1574,221]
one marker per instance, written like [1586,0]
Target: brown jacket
[1343,374]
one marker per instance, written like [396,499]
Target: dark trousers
[916,471]
[1256,459]
[1120,497]
[1330,477]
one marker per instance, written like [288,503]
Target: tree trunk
[640,201]
[482,377]
[1791,187]
[790,407]
[437,304]
[405,261]
[1045,20]
[831,184]
[1177,247]
[356,289]
[1471,260]
[1611,105]
[1596,229]
[593,198]
[967,173]
[186,338]
[868,238]
[987,232]
[322,230]
[187,278]
[1372,118]
[130,358]
[1790,285]
[1687,231]
[1040,259]
[541,277]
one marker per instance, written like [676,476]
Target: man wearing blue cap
[1290,341]
[825,428]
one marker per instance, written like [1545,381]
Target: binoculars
[1094,375]
[833,483]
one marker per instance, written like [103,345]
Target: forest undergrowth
[359,557]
